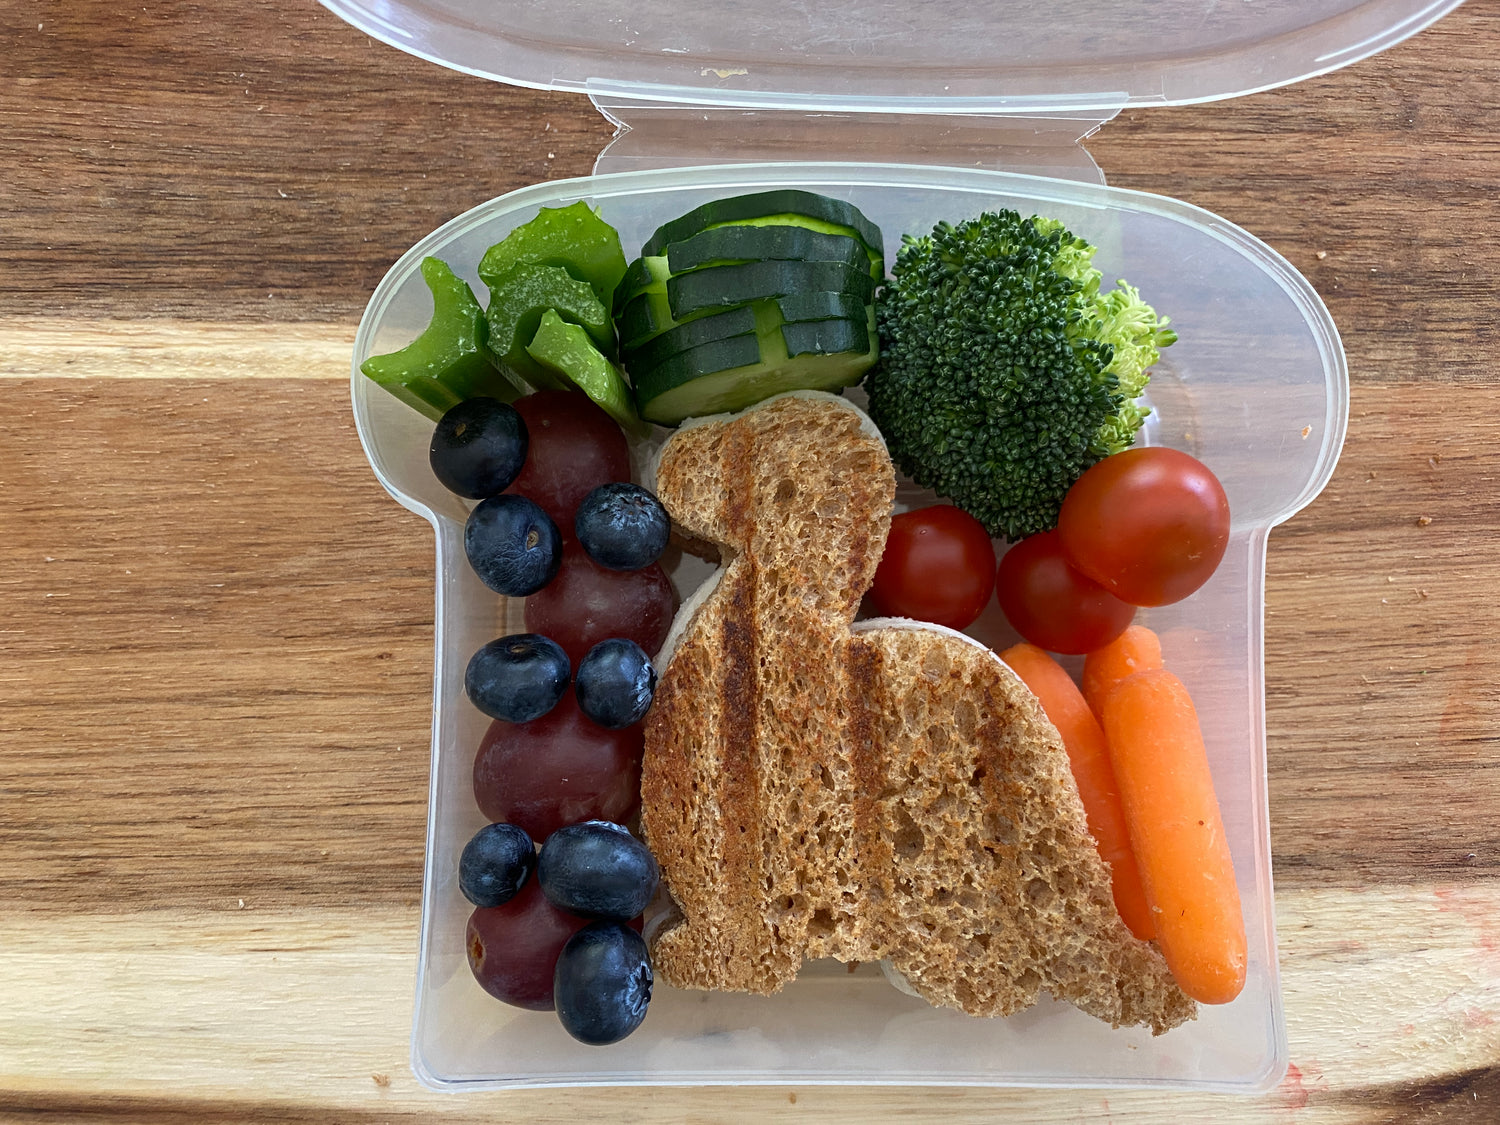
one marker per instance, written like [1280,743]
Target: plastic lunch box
[715,102]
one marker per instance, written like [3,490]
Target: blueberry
[495,864]
[602,983]
[512,545]
[597,870]
[517,678]
[622,526]
[615,683]
[479,447]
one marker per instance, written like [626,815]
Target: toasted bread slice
[744,793]
[891,793]
[996,891]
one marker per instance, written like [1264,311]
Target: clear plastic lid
[935,56]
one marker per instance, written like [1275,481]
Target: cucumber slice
[705,330]
[826,337]
[566,349]
[797,308]
[817,226]
[707,359]
[741,387]
[777,205]
[516,308]
[802,312]
[643,275]
[701,380]
[572,237]
[646,317]
[727,286]
[448,362]
[724,245]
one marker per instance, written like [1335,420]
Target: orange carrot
[1137,649]
[1168,794]
[1094,775]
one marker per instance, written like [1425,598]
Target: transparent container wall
[976,55]
[1256,387]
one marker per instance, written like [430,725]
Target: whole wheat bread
[891,792]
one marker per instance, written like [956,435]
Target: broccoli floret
[1004,373]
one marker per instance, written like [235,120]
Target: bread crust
[889,793]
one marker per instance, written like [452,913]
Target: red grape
[513,948]
[586,604]
[574,448]
[559,769]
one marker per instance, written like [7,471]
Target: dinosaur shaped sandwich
[887,791]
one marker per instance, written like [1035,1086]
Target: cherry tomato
[938,566]
[1054,606]
[573,448]
[1149,525]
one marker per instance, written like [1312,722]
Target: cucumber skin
[727,286]
[738,388]
[767,204]
[695,363]
[777,243]
[825,337]
[723,375]
[798,308]
[720,325]
[647,318]
[643,275]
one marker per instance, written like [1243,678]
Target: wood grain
[243,162]
[159,1008]
[217,630]
[155,1009]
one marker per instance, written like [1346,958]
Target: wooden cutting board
[216,629]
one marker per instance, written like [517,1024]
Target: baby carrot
[1135,650]
[1089,757]
[1168,793]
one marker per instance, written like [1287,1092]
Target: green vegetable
[807,322]
[720,246]
[728,286]
[646,318]
[780,207]
[516,306]
[448,362]
[721,325]
[1004,372]
[747,297]
[566,349]
[740,370]
[574,238]
[644,275]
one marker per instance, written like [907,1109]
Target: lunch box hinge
[666,135]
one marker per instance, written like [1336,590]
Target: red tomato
[1054,606]
[1149,525]
[938,566]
